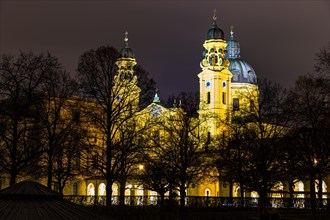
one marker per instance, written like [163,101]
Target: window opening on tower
[224,97]
[235,104]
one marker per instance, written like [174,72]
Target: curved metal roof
[33,201]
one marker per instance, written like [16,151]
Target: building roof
[215,32]
[242,71]
[32,201]
[126,52]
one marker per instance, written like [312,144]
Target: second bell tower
[215,78]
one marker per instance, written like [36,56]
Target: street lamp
[141,166]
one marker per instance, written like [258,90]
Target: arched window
[277,188]
[299,187]
[254,194]
[236,190]
[102,189]
[91,190]
[140,191]
[115,189]
[207,192]
[324,188]
[128,190]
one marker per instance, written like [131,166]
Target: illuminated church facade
[224,80]
[227,84]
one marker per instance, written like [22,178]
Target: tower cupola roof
[215,32]
[126,52]
[156,98]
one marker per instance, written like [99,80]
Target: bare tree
[252,150]
[129,154]
[158,175]
[113,100]
[309,137]
[229,155]
[58,114]
[182,148]
[66,159]
[21,78]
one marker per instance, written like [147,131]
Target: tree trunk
[170,197]
[108,196]
[291,191]
[320,192]
[122,193]
[182,195]
[230,192]
[13,169]
[261,204]
[50,171]
[110,181]
[162,199]
[242,192]
[312,190]
[13,175]
[108,174]
[60,187]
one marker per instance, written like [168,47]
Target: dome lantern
[233,47]
[215,32]
[126,52]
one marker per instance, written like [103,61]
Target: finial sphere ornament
[214,14]
[231,29]
[126,36]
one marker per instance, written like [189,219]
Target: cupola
[126,52]
[215,32]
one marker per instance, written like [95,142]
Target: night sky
[278,38]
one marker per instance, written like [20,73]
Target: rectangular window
[224,98]
[75,189]
[208,141]
[208,97]
[235,104]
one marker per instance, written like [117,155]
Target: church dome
[242,71]
[215,33]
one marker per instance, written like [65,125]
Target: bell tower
[215,78]
[126,90]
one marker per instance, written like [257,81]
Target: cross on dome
[231,30]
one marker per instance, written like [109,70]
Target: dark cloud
[278,38]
